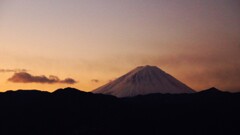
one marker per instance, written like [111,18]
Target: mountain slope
[143,80]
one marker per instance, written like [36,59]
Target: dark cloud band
[23,77]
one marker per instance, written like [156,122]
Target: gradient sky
[95,41]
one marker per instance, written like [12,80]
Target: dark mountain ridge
[73,112]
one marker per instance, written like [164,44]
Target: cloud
[68,81]
[12,70]
[23,77]
[206,70]
[95,80]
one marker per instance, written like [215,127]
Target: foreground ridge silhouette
[73,112]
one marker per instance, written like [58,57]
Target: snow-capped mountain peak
[143,80]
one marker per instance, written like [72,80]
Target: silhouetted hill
[68,90]
[212,90]
[73,112]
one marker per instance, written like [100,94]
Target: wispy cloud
[23,77]
[12,70]
[95,80]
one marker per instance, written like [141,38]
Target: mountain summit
[143,80]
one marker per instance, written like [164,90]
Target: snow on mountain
[143,80]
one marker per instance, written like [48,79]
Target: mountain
[212,90]
[143,80]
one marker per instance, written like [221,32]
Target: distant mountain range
[73,112]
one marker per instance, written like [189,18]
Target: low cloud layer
[12,70]
[23,77]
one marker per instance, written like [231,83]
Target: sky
[50,44]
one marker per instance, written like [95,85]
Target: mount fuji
[144,80]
